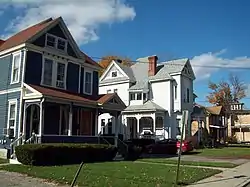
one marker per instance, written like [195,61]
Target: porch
[55,116]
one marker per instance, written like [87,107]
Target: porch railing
[16,142]
[33,139]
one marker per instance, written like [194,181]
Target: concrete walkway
[234,177]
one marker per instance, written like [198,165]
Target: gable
[58,32]
[113,72]
[30,92]
[188,70]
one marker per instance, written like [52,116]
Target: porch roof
[147,106]
[52,92]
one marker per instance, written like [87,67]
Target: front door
[86,122]
[34,119]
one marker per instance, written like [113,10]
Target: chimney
[152,63]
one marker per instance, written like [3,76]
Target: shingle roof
[147,106]
[52,92]
[24,35]
[216,110]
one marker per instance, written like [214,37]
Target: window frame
[91,82]
[175,92]
[10,103]
[55,63]
[19,68]
[56,42]
[188,95]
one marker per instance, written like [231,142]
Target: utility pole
[184,123]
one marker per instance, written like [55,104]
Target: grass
[193,163]
[3,161]
[120,174]
[227,152]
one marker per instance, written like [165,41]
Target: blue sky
[209,32]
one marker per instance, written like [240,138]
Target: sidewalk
[235,177]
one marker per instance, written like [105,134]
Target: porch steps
[14,161]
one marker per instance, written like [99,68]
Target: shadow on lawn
[167,155]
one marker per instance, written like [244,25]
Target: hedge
[64,153]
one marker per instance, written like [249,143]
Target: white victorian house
[155,95]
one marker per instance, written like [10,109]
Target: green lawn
[233,152]
[208,164]
[112,174]
[3,161]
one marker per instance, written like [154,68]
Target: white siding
[108,76]
[122,91]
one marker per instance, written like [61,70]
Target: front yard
[3,161]
[120,174]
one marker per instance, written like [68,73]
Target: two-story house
[49,87]
[155,95]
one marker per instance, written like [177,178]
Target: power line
[170,63]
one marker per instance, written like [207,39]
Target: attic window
[114,74]
[56,42]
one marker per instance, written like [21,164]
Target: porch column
[24,121]
[41,118]
[96,122]
[154,122]
[138,125]
[116,128]
[70,120]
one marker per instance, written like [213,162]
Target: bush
[60,153]
[142,142]
[133,153]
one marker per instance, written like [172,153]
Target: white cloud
[83,17]
[206,64]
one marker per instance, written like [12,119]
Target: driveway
[9,179]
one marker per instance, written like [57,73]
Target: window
[132,96]
[187,95]
[16,68]
[144,96]
[115,90]
[88,83]
[61,44]
[139,96]
[11,118]
[60,75]
[47,72]
[108,91]
[114,74]
[50,40]
[56,42]
[175,92]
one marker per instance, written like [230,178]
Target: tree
[226,92]
[106,60]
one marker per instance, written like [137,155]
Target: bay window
[54,73]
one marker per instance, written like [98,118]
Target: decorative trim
[11,49]
[12,90]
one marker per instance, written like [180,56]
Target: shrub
[141,142]
[133,153]
[60,153]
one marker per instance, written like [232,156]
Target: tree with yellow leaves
[226,92]
[106,60]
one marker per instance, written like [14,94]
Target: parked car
[169,146]
[187,146]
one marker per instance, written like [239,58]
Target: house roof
[24,35]
[52,92]
[147,106]
[105,97]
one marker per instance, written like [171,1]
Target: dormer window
[114,74]
[132,96]
[139,96]
[56,42]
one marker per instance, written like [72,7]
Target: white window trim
[12,68]
[56,42]
[91,89]
[54,72]
[12,102]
